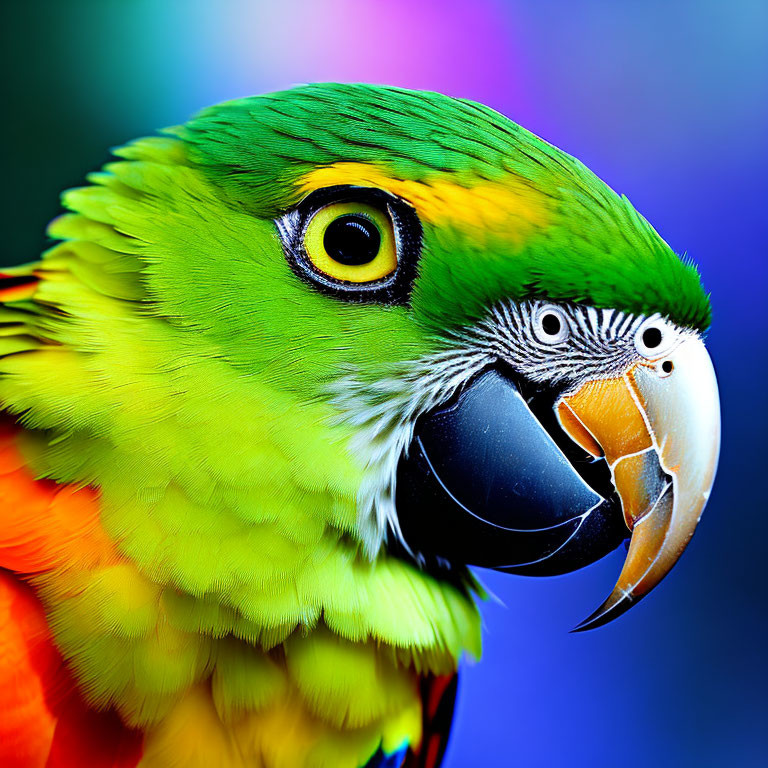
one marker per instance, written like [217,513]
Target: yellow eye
[352,242]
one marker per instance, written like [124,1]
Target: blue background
[666,101]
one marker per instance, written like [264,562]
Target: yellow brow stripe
[512,206]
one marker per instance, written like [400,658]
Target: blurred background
[667,100]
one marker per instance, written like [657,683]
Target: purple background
[668,102]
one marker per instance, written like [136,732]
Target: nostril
[667,367]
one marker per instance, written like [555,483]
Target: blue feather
[382,760]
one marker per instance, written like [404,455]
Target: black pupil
[352,239]
[651,337]
[551,324]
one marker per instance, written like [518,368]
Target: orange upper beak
[658,426]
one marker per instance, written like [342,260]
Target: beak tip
[586,625]
[663,496]
[606,613]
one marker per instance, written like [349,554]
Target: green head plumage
[505,214]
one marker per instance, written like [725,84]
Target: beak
[484,483]
[658,427]
[539,485]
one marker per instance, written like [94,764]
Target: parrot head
[510,355]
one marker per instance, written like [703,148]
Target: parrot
[288,373]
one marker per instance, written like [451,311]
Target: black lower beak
[484,483]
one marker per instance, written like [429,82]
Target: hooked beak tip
[606,613]
[664,481]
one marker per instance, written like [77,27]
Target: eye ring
[654,338]
[391,215]
[550,324]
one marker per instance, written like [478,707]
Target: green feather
[596,247]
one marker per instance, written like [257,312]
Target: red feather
[438,697]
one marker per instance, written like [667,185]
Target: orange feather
[44,723]
[45,524]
